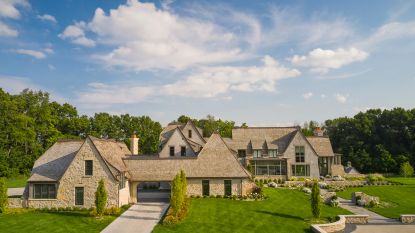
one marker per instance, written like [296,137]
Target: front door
[79,195]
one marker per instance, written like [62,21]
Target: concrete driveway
[139,218]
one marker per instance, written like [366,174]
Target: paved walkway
[373,217]
[139,218]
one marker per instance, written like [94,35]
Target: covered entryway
[153,191]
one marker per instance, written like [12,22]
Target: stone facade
[310,156]
[177,140]
[74,177]
[217,187]
[16,202]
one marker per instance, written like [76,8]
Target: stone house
[67,174]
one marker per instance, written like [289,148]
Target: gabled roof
[321,145]
[111,152]
[197,129]
[54,162]
[168,131]
[274,137]
[215,160]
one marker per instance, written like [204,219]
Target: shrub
[114,211]
[372,204]
[100,198]
[218,196]
[93,212]
[406,170]
[3,195]
[315,200]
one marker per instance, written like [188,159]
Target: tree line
[30,123]
[374,141]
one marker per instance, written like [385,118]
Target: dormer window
[190,133]
[272,153]
[257,153]
[242,153]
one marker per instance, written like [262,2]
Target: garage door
[153,192]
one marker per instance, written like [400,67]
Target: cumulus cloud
[7,31]
[145,37]
[321,61]
[208,82]
[46,17]
[307,95]
[33,53]
[76,34]
[8,8]
[340,98]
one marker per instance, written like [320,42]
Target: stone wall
[217,187]
[74,177]
[16,202]
[339,225]
[365,198]
[407,218]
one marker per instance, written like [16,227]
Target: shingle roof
[54,162]
[321,145]
[215,160]
[111,152]
[274,137]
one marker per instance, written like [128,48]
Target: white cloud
[8,8]
[321,61]
[76,34]
[145,37]
[32,53]
[47,17]
[341,98]
[208,82]
[307,95]
[389,31]
[6,31]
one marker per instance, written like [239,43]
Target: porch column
[133,192]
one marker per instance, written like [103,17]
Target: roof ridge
[268,127]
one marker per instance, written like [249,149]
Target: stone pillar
[133,192]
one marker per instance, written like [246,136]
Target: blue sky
[260,62]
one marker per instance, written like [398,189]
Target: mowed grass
[284,211]
[22,221]
[400,199]
[16,182]
[402,180]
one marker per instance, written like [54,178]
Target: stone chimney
[134,147]
[318,132]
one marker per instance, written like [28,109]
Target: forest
[374,141]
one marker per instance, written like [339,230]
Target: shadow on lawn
[280,215]
[69,213]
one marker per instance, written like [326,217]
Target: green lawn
[284,211]
[402,180]
[33,221]
[16,182]
[400,198]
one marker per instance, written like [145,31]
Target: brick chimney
[134,147]
[318,132]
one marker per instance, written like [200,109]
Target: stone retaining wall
[16,202]
[407,218]
[343,183]
[339,225]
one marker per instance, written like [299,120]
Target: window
[228,187]
[301,170]
[88,167]
[257,153]
[122,181]
[205,187]
[270,168]
[183,151]
[190,133]
[272,153]
[242,153]
[44,191]
[299,154]
[79,195]
[171,151]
